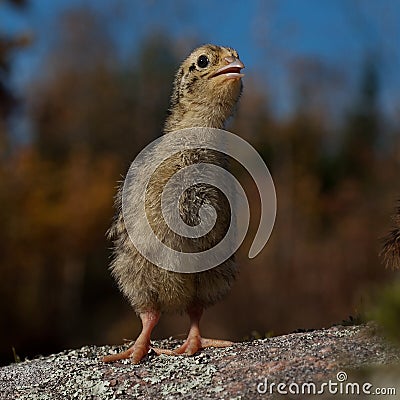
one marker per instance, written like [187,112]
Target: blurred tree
[93,102]
[51,227]
[8,99]
[362,126]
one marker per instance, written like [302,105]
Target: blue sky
[269,35]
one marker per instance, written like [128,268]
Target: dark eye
[202,61]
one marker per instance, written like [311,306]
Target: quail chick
[391,247]
[206,89]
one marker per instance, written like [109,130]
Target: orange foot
[194,341]
[193,344]
[142,344]
[136,352]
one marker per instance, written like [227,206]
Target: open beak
[231,70]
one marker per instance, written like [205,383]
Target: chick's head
[210,76]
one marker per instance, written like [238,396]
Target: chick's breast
[150,287]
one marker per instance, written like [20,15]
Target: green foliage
[385,310]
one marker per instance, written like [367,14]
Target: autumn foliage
[336,179]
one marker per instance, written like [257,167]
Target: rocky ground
[306,362]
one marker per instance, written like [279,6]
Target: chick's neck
[198,115]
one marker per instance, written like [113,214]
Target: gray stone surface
[230,373]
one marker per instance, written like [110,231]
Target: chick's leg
[194,341]
[142,344]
